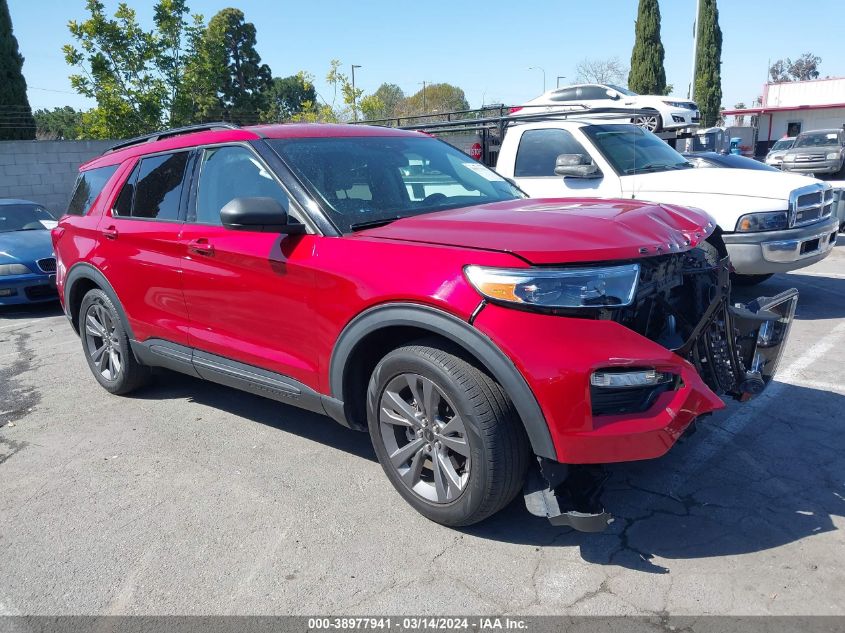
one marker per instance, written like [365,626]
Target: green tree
[135,75]
[234,67]
[647,75]
[288,96]
[16,120]
[434,98]
[58,123]
[384,103]
[804,68]
[708,64]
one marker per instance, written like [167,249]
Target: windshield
[371,180]
[782,144]
[24,217]
[622,90]
[632,150]
[817,139]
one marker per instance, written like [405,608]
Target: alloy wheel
[425,438]
[102,342]
[650,123]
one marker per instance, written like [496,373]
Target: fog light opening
[630,379]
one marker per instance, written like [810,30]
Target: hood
[558,231]
[25,246]
[815,149]
[724,181]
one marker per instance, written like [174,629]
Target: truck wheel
[446,434]
[749,280]
[651,122]
[106,345]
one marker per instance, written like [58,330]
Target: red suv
[488,342]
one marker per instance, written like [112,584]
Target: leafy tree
[234,67]
[288,96]
[16,120]
[708,62]
[434,98]
[134,75]
[601,71]
[804,68]
[647,74]
[58,123]
[372,108]
[384,103]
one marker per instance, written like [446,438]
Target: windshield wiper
[658,166]
[360,226]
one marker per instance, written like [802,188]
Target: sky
[486,48]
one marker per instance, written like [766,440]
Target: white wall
[810,120]
[799,93]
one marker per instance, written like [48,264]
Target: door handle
[110,233]
[201,246]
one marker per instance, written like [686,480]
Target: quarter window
[89,185]
[232,172]
[539,149]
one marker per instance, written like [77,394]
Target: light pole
[354,96]
[691,91]
[559,77]
[544,75]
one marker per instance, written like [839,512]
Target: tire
[652,123]
[482,458]
[749,280]
[106,345]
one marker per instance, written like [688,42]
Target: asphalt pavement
[192,498]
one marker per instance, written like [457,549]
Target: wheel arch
[81,278]
[375,332]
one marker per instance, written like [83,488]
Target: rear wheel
[106,345]
[652,122]
[749,280]
[446,434]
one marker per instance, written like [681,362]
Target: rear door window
[154,189]
[89,185]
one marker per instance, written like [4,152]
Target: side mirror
[610,92]
[576,166]
[259,214]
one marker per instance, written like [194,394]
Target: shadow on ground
[819,297]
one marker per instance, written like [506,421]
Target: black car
[731,161]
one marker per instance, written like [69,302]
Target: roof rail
[176,131]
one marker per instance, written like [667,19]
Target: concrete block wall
[44,171]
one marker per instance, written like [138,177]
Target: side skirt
[225,371]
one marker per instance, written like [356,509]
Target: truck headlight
[788,158]
[768,221]
[13,269]
[589,287]
[833,156]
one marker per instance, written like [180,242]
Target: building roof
[771,109]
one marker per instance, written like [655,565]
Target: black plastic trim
[460,332]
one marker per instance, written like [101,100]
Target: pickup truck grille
[809,207]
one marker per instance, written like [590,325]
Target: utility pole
[354,95]
[544,75]
[691,90]
[559,77]
[424,106]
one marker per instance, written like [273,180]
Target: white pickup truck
[771,222]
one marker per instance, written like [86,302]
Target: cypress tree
[708,64]
[16,120]
[647,74]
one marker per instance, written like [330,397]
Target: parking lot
[194,498]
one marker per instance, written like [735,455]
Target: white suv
[670,113]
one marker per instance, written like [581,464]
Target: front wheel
[749,280]
[652,122]
[446,434]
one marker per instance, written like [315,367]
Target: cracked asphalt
[192,498]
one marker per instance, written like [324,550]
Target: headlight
[13,269]
[788,158]
[558,287]
[768,221]
[833,156]
[676,104]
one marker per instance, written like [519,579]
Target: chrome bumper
[793,250]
